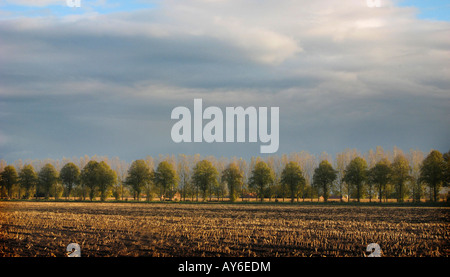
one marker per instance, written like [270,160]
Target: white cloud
[36,3]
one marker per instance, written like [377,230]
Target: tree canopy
[204,176]
[139,175]
[446,157]
[8,178]
[106,179]
[432,172]
[324,176]
[89,177]
[165,178]
[69,176]
[380,175]
[98,176]
[47,177]
[400,175]
[356,175]
[233,177]
[292,178]
[260,177]
[28,179]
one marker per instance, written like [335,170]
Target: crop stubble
[186,230]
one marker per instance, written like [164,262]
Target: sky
[103,78]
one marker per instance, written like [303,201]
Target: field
[226,230]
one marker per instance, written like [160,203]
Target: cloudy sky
[103,78]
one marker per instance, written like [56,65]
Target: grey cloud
[344,76]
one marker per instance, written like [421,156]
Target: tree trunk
[435,192]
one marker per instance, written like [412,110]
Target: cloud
[344,75]
[35,3]
[3,139]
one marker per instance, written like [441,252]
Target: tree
[121,169]
[446,157]
[380,176]
[243,166]
[356,175]
[184,175]
[233,177]
[292,178]
[8,178]
[139,176]
[415,158]
[165,177]
[28,179]
[400,175]
[149,186]
[47,178]
[106,179]
[340,164]
[260,177]
[323,178]
[276,188]
[432,172]
[69,176]
[204,176]
[89,178]
[217,188]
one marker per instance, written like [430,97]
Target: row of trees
[299,175]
